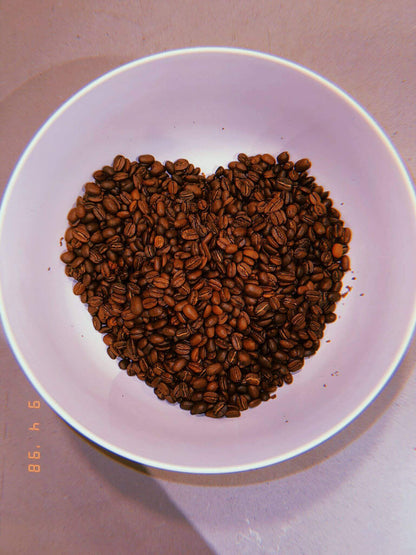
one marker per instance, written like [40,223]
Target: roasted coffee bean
[345,263]
[190,312]
[210,290]
[213,369]
[136,305]
[253,290]
[199,407]
[67,257]
[302,165]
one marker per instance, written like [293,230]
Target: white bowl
[209,104]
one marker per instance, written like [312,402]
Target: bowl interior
[208,105]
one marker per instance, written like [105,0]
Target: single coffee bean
[233,413]
[302,165]
[213,369]
[337,250]
[269,159]
[161,282]
[68,257]
[345,263]
[253,290]
[190,312]
[199,408]
[146,159]
[111,205]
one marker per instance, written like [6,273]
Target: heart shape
[213,290]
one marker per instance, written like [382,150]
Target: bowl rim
[13,340]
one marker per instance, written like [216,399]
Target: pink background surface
[353,494]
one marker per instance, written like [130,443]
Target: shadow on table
[162,523]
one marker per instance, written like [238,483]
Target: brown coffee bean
[78,288]
[244,269]
[236,341]
[81,234]
[67,257]
[180,164]
[210,397]
[253,391]
[253,290]
[269,159]
[190,312]
[159,241]
[111,205]
[149,303]
[92,189]
[302,165]
[249,344]
[252,379]
[199,407]
[283,158]
[235,374]
[261,308]
[214,369]
[146,159]
[199,383]
[242,324]
[337,250]
[233,413]
[189,234]
[157,168]
[161,282]
[156,339]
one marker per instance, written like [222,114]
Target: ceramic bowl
[207,105]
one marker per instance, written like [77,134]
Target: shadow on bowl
[120,467]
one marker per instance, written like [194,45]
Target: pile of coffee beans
[213,290]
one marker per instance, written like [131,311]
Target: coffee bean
[180,164]
[189,234]
[233,413]
[269,159]
[190,312]
[78,288]
[161,282]
[81,234]
[111,205]
[253,290]
[67,257]
[337,250]
[199,383]
[199,408]
[261,309]
[157,169]
[156,339]
[345,263]
[302,165]
[146,159]
[221,332]
[236,341]
[213,369]
[244,270]
[210,397]
[283,158]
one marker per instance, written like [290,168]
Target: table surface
[353,494]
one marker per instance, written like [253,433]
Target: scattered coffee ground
[212,290]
